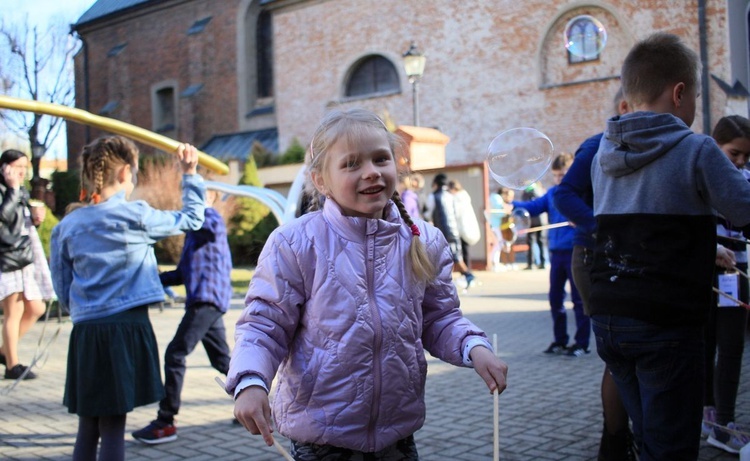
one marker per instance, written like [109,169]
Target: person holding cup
[24,273]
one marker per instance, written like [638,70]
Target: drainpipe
[705,99]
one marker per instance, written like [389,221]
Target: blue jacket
[102,259]
[574,196]
[205,265]
[559,238]
[656,186]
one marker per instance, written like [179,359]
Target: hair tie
[96,198]
[415,230]
[83,195]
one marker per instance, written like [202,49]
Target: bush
[294,154]
[45,230]
[251,223]
[66,186]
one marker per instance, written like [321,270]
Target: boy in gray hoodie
[656,185]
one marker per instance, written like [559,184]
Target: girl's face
[17,168]
[360,176]
[738,151]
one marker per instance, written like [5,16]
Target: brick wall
[159,49]
[490,65]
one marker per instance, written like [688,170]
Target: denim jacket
[103,260]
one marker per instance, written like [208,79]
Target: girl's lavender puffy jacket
[334,302]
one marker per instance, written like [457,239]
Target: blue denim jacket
[103,260]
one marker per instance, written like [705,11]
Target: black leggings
[111,429]
[725,343]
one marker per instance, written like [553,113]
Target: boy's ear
[678,92]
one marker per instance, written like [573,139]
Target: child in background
[409,197]
[651,282]
[346,300]
[725,331]
[205,269]
[507,238]
[560,242]
[104,271]
[574,198]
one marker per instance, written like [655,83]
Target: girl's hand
[13,176]
[493,371]
[725,257]
[251,408]
[188,156]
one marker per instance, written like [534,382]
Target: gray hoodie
[656,186]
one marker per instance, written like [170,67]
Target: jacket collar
[356,228]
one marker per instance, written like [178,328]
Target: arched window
[585,38]
[373,75]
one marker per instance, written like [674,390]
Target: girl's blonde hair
[351,125]
[101,159]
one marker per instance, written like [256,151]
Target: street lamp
[37,149]
[414,62]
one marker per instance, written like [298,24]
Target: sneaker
[730,438]
[577,351]
[709,419]
[156,432]
[18,371]
[556,348]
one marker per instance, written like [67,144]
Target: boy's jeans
[659,371]
[201,323]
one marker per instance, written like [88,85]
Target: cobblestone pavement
[550,411]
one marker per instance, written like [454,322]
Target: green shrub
[251,223]
[295,153]
[67,186]
[45,230]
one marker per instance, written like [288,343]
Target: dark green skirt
[113,365]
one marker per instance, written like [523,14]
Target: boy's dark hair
[731,127]
[562,161]
[441,179]
[660,60]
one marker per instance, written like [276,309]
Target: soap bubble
[585,37]
[522,219]
[519,157]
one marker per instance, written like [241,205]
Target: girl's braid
[423,267]
[402,209]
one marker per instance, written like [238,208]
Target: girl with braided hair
[346,299]
[104,271]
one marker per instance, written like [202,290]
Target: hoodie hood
[632,141]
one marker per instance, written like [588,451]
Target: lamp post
[38,184]
[414,62]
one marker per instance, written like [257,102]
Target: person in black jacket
[20,290]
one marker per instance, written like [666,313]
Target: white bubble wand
[496,411]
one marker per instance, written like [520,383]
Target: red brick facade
[490,65]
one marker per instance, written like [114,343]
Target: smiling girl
[346,300]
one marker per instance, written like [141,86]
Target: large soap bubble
[585,37]
[519,157]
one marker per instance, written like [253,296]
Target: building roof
[237,146]
[103,8]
